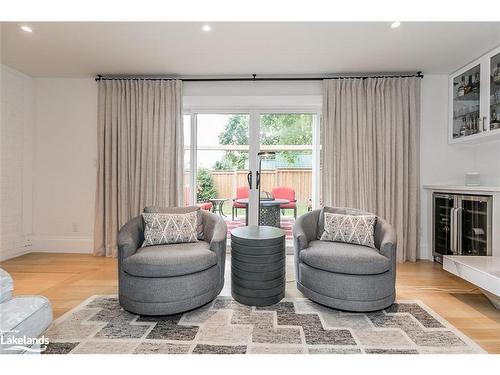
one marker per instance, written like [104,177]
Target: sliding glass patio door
[287,170]
[222,164]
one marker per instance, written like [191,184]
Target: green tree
[235,133]
[286,129]
[276,129]
[206,186]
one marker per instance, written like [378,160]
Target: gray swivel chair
[340,275]
[21,317]
[174,278]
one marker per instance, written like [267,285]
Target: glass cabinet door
[475,225]
[443,204]
[466,103]
[495,92]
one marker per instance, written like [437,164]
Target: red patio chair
[205,205]
[287,193]
[241,193]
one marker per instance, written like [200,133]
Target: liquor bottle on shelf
[468,85]
[460,91]
[463,128]
[496,74]
[476,85]
[471,124]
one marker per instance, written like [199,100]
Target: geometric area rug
[292,326]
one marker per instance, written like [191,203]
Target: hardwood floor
[68,279]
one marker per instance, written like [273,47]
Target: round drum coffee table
[258,263]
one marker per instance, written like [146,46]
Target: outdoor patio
[286,225]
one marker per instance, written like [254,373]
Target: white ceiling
[83,49]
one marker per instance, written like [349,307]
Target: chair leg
[233,213]
[295,212]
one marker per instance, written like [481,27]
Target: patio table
[218,204]
[269,211]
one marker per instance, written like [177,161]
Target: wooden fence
[300,180]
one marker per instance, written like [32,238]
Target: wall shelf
[485,103]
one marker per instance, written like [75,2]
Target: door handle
[258,180]
[484,123]
[452,230]
[458,230]
[454,233]
[249,179]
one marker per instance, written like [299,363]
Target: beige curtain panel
[370,151]
[140,153]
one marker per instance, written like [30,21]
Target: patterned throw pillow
[178,210]
[355,229]
[163,228]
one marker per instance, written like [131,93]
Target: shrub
[206,186]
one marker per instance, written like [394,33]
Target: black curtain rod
[254,78]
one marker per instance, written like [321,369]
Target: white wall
[487,162]
[64,164]
[17,107]
[441,163]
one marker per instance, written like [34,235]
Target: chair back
[242,192]
[284,192]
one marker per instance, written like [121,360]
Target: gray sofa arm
[6,286]
[214,230]
[130,237]
[385,239]
[305,230]
[215,233]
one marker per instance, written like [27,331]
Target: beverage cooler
[461,225]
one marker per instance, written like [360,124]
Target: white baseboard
[62,244]
[5,255]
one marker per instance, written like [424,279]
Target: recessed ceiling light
[206,28]
[395,24]
[26,28]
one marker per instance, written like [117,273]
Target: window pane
[222,156]
[288,175]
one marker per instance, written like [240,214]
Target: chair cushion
[170,260]
[205,205]
[179,210]
[239,205]
[336,210]
[162,229]
[27,316]
[6,286]
[355,229]
[344,258]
